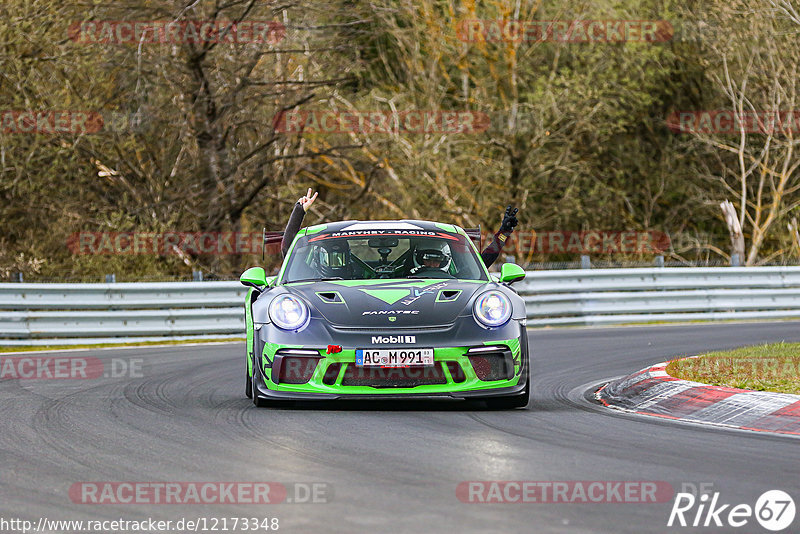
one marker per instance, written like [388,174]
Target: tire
[261,402]
[248,383]
[519,400]
[257,400]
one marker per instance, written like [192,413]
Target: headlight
[289,313]
[492,308]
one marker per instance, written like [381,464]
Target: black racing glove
[509,220]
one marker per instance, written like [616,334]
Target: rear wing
[270,238]
[475,235]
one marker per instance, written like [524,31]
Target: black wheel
[519,400]
[257,400]
[248,383]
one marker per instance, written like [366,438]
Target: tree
[192,144]
[752,59]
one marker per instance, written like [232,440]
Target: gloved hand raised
[509,220]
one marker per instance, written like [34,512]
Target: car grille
[297,370]
[397,377]
[495,365]
[331,374]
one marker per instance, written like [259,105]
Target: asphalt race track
[390,467]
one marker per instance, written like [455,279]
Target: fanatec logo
[390,312]
[394,339]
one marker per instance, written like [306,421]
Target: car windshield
[383,254]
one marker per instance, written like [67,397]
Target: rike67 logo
[774,510]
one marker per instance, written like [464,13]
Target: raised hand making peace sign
[307,200]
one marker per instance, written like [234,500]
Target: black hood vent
[448,295]
[331,297]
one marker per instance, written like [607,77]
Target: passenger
[492,251]
[296,219]
[332,260]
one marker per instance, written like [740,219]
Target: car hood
[390,303]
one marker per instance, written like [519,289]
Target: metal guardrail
[66,314]
[39,314]
[619,296]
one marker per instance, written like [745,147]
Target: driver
[431,255]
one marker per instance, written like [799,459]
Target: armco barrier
[616,296]
[39,314]
[46,314]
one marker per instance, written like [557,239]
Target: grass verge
[771,367]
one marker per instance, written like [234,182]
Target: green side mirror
[254,277]
[511,272]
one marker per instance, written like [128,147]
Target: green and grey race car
[385,309]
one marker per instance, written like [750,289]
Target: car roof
[406,224]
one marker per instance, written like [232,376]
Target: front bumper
[393,394]
[455,375]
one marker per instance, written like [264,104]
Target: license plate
[394,357]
